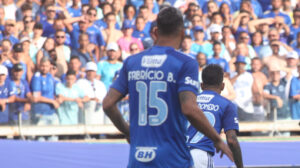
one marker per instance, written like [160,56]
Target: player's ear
[222,86]
[155,33]
[202,86]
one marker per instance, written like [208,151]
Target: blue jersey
[153,79]
[46,86]
[19,90]
[220,112]
[4,94]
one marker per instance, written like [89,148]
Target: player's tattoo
[235,148]
[185,96]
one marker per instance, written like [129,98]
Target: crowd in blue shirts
[44,43]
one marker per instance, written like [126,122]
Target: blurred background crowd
[59,58]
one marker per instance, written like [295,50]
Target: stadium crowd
[58,58]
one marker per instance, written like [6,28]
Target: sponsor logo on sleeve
[190,81]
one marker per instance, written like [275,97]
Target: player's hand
[224,149]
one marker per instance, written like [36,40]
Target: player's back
[157,125]
[220,112]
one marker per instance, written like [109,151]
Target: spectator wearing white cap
[292,60]
[5,89]
[95,90]
[107,68]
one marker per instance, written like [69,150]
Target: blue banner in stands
[27,154]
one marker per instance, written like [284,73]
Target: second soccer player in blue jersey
[221,113]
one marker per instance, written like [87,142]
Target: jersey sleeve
[188,77]
[36,83]
[230,118]
[121,82]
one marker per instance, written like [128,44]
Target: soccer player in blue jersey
[162,84]
[221,113]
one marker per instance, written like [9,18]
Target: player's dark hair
[212,75]
[169,21]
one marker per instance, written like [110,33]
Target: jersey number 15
[153,102]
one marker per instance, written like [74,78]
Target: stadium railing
[14,131]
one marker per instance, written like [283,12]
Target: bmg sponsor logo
[145,154]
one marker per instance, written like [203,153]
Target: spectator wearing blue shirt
[43,89]
[295,96]
[295,27]
[5,89]
[296,44]
[84,53]
[144,12]
[20,106]
[257,41]
[75,9]
[130,12]
[139,30]
[48,28]
[8,32]
[216,59]
[94,32]
[275,11]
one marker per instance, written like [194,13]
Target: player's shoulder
[208,96]
[180,55]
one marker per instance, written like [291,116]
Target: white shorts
[202,159]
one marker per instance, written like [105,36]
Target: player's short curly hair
[212,75]
[169,21]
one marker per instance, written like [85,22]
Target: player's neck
[213,89]
[168,42]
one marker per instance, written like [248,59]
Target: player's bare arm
[235,148]
[196,117]
[111,110]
